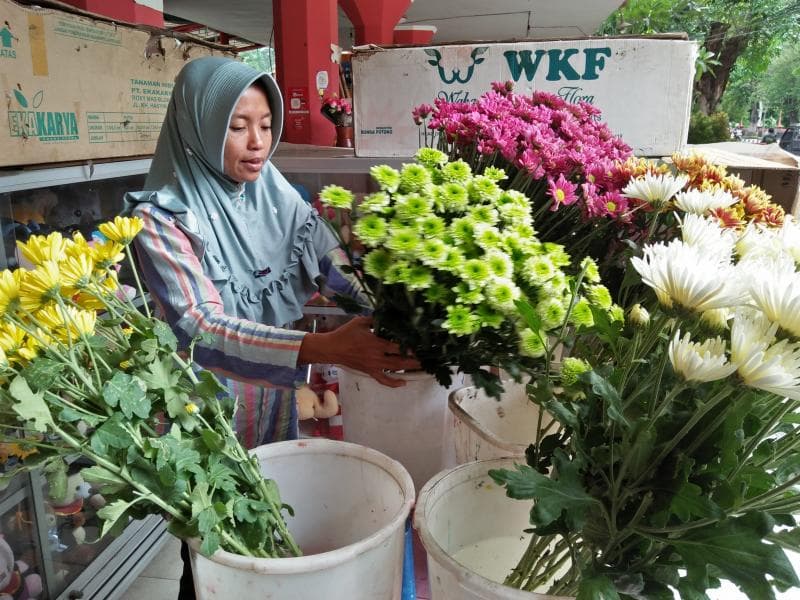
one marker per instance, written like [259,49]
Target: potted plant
[674,467]
[85,372]
[445,253]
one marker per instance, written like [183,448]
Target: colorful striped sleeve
[240,349]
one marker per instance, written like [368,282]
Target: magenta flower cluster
[338,110]
[563,147]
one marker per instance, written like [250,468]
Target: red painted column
[374,20]
[304,32]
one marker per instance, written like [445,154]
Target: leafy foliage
[110,386]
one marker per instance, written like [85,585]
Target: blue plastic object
[409,591]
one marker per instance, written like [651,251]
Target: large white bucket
[481,427]
[407,423]
[472,533]
[350,504]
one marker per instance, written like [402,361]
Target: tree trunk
[711,85]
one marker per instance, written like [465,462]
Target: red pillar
[374,20]
[304,32]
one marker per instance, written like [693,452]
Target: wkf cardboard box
[643,86]
[78,88]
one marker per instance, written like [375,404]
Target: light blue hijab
[258,243]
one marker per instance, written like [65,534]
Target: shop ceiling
[455,20]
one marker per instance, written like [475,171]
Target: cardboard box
[77,88]
[775,171]
[642,85]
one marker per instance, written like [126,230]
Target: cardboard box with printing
[643,86]
[77,88]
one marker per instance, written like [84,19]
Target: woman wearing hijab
[230,249]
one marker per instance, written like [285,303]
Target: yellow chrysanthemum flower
[16,343]
[9,290]
[107,254]
[50,317]
[80,322]
[77,246]
[122,229]
[192,408]
[76,273]
[39,249]
[40,286]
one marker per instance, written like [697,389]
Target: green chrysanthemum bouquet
[450,256]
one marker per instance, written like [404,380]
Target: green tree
[781,85]
[262,59]
[729,31]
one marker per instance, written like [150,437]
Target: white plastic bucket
[407,423]
[350,504]
[462,513]
[481,427]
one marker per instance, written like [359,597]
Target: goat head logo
[455,73]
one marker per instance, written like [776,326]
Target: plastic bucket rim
[405,375]
[469,580]
[455,407]
[337,556]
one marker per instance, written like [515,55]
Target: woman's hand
[354,345]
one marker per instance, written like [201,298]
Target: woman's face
[249,136]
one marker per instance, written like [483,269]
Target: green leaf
[160,375]
[106,481]
[248,510]
[208,386]
[529,315]
[737,549]
[789,539]
[603,388]
[166,338]
[553,496]
[111,434]
[30,406]
[212,440]
[220,476]
[207,519]
[690,501]
[599,587]
[210,544]
[129,393]
[70,415]
[113,513]
[41,374]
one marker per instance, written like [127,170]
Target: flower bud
[639,316]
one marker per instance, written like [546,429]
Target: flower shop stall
[606,72]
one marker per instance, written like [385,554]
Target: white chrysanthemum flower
[757,242]
[699,361]
[655,189]
[775,290]
[688,276]
[700,202]
[773,368]
[708,235]
[789,235]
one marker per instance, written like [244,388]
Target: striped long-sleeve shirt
[252,353]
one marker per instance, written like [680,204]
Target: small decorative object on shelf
[339,111]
